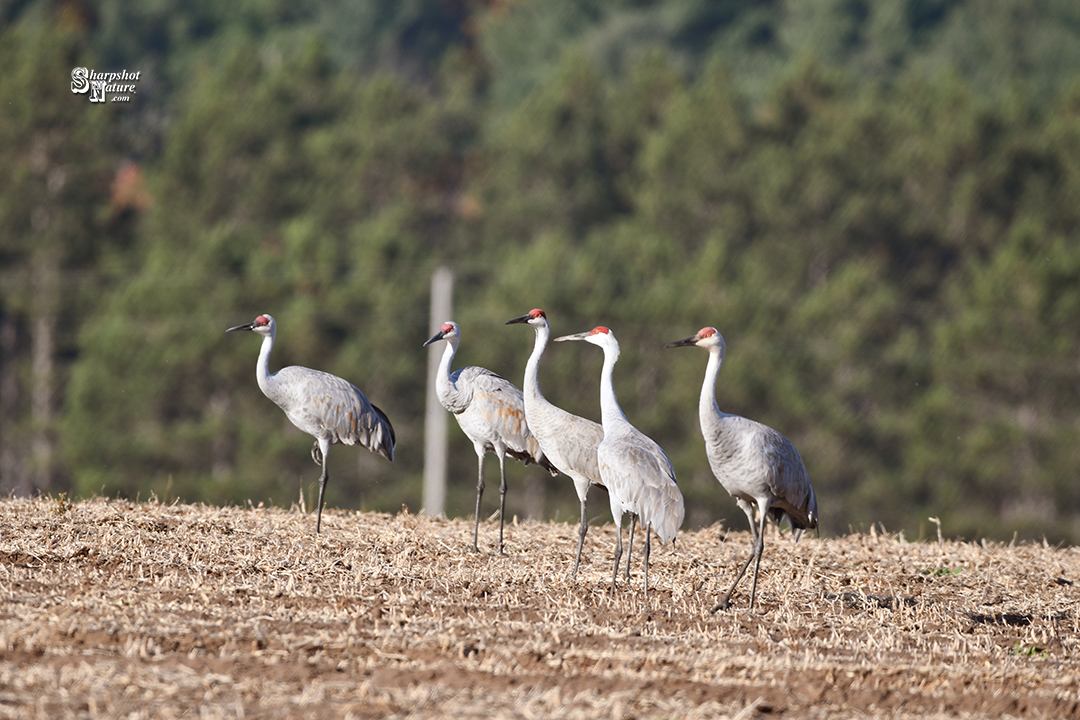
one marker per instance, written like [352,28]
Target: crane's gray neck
[532,367]
[707,404]
[453,397]
[447,358]
[610,412]
[262,369]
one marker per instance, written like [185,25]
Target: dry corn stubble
[119,609]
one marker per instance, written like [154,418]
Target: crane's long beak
[434,338]
[523,319]
[690,341]
[575,336]
[248,326]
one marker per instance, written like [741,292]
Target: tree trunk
[533,497]
[13,477]
[44,309]
[221,447]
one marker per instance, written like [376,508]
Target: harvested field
[117,609]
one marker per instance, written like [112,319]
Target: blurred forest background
[877,202]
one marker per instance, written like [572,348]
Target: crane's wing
[640,473]
[325,405]
[568,441]
[787,479]
[491,412]
[500,405]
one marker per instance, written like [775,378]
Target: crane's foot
[722,605]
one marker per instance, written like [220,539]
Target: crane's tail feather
[799,522]
[522,457]
[382,438]
[533,455]
[669,520]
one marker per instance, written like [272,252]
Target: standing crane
[636,471]
[755,464]
[324,406]
[567,440]
[491,413]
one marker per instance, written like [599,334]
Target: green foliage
[1029,651]
[874,202]
[997,46]
[287,190]
[62,226]
[56,163]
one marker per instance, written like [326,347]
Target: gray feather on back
[324,405]
[488,406]
[645,479]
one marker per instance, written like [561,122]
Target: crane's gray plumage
[491,413]
[324,406]
[637,473]
[758,466]
[567,440]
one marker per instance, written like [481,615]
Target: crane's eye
[447,328]
[537,313]
[600,329]
[262,321]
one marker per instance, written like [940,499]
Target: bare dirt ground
[141,610]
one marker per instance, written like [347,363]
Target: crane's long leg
[648,543]
[618,552]
[630,546]
[479,494]
[502,499]
[759,546]
[725,603]
[581,539]
[323,451]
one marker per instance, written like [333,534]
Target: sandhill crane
[324,406]
[636,471]
[491,413]
[754,463]
[567,440]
